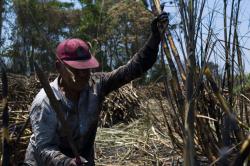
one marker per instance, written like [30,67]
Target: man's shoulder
[40,98]
[97,76]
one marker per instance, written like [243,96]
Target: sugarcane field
[124,82]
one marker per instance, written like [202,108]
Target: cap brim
[83,64]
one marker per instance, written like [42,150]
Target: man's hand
[159,24]
[74,162]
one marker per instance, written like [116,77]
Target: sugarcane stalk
[231,98]
[243,156]
[226,45]
[172,44]
[205,139]
[242,86]
[5,121]
[221,99]
[189,152]
[233,51]
[242,81]
[184,19]
[176,55]
[175,84]
[189,120]
[157,6]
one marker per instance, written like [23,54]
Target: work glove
[74,162]
[159,24]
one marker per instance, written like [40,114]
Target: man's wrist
[153,41]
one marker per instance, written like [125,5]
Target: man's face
[75,79]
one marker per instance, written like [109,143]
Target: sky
[218,30]
[244,26]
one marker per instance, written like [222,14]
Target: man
[82,94]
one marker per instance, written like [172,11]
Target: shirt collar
[55,87]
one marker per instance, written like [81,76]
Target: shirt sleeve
[44,124]
[138,65]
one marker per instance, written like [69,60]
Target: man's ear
[58,65]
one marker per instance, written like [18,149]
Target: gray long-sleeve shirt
[48,146]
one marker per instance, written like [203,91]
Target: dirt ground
[136,143]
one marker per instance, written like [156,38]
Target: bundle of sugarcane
[22,90]
[208,118]
[121,105]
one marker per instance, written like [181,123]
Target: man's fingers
[78,161]
[164,14]
[163,17]
[83,160]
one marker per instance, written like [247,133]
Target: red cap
[75,53]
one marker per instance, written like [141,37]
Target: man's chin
[78,88]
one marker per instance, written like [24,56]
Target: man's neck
[69,93]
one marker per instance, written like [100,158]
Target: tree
[39,27]
[1,17]
[127,31]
